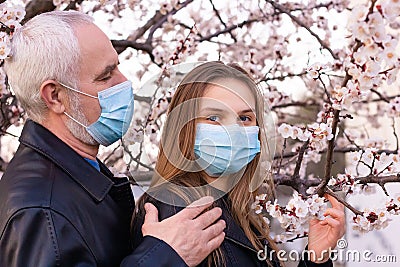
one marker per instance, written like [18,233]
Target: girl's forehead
[231,93]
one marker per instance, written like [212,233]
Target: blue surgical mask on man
[116,105]
[223,150]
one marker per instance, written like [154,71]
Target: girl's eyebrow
[212,109]
[247,111]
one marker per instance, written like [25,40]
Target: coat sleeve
[305,262]
[30,239]
[149,251]
[153,252]
[308,263]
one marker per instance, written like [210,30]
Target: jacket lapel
[46,143]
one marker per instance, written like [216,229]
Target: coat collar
[46,143]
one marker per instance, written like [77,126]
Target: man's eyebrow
[108,69]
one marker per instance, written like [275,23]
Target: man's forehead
[97,52]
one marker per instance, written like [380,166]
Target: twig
[302,24]
[328,95]
[395,134]
[221,20]
[300,185]
[380,180]
[281,159]
[227,30]
[295,238]
[110,154]
[302,150]
[282,77]
[296,104]
[381,97]
[337,150]
[347,205]
[73,4]
[8,133]
[160,21]
[336,113]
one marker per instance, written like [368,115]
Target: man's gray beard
[77,130]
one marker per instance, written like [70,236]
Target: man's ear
[52,94]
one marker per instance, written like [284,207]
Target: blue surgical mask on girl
[222,150]
[116,105]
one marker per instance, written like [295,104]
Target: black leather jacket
[236,248]
[58,210]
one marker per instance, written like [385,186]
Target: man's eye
[105,78]
[213,118]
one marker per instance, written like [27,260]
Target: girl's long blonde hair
[175,163]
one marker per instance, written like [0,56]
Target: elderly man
[60,206]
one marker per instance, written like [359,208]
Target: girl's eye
[213,118]
[244,118]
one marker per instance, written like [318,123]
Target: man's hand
[192,237]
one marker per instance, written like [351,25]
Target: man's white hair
[45,48]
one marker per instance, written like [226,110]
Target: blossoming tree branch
[322,65]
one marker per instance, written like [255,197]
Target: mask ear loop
[69,116]
[66,114]
[83,93]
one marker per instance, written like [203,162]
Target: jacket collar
[46,143]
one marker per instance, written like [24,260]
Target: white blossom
[372,219]
[314,70]
[4,45]
[391,9]
[393,108]
[358,13]
[360,30]
[285,130]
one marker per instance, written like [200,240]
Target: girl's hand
[324,234]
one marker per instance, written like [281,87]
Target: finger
[204,201]
[334,202]
[215,243]
[197,207]
[337,227]
[334,213]
[151,213]
[331,222]
[207,218]
[338,224]
[214,230]
[323,222]
[314,221]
